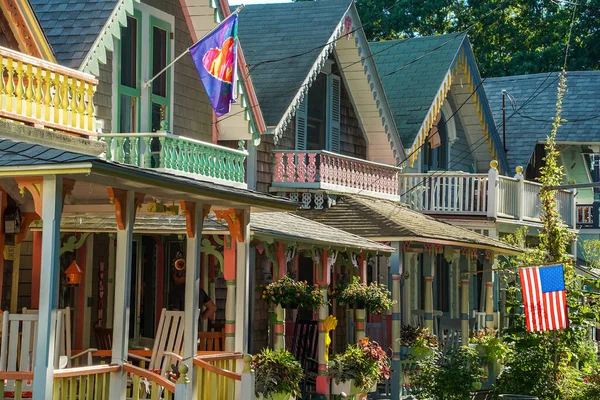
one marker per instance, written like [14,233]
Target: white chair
[168,343]
[479,320]
[63,357]
[419,319]
[449,333]
[17,347]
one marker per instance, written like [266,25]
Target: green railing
[178,155]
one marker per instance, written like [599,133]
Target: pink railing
[329,170]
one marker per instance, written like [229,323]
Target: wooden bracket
[33,184]
[189,209]
[68,185]
[235,221]
[26,220]
[118,197]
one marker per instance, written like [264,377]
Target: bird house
[74,274]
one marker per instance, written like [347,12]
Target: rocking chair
[304,348]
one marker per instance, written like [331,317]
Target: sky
[236,2]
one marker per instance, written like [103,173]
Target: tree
[509,37]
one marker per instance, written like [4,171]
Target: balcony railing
[489,195]
[48,95]
[326,170]
[179,155]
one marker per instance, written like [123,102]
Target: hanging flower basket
[289,293]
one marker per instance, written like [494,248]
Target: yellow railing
[13,382]
[157,387]
[216,376]
[83,383]
[38,92]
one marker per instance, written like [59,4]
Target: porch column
[428,270]
[49,269]
[125,205]
[243,289]
[229,261]
[279,271]
[194,216]
[488,277]
[323,279]
[36,263]
[359,313]
[396,269]
[465,266]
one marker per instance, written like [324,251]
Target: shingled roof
[536,94]
[71,26]
[412,71]
[275,31]
[387,220]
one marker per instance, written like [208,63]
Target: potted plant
[491,349]
[417,342]
[289,293]
[375,298]
[359,368]
[277,375]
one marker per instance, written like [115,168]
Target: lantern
[73,274]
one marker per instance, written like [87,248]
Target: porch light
[73,274]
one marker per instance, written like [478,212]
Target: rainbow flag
[215,57]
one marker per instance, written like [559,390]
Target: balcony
[487,195]
[330,171]
[46,95]
[165,152]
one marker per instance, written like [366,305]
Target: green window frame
[156,99]
[130,92]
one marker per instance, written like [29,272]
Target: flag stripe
[545,306]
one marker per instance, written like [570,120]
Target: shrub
[276,372]
[375,298]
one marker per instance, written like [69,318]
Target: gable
[21,32]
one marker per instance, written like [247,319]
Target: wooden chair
[215,327]
[17,347]
[168,343]
[64,357]
[103,337]
[450,333]
[211,341]
[304,348]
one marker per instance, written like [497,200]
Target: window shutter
[334,89]
[301,118]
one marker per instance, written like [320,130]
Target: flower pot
[278,396]
[342,387]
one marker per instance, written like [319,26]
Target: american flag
[544,298]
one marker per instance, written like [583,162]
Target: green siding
[576,170]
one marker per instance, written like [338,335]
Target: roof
[278,225]
[386,220]
[536,94]
[20,154]
[72,26]
[411,86]
[303,230]
[275,31]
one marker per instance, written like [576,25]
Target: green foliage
[454,376]
[519,37]
[276,372]
[495,349]
[591,253]
[366,363]
[287,291]
[374,297]
[418,337]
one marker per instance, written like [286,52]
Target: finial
[247,364]
[494,164]
[241,145]
[183,370]
[519,170]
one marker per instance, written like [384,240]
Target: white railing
[585,214]
[488,195]
[326,170]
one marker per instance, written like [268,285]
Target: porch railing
[585,215]
[39,92]
[148,385]
[217,377]
[179,155]
[15,380]
[490,195]
[326,170]
[84,383]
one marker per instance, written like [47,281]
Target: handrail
[84,371]
[38,62]
[332,154]
[211,368]
[151,376]
[220,356]
[170,135]
[16,375]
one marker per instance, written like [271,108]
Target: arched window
[435,154]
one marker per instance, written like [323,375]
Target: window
[139,108]
[318,116]
[435,155]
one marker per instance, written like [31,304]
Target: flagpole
[147,83]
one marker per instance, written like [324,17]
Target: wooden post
[521,194]
[44,359]
[243,290]
[492,190]
[182,385]
[323,280]
[229,272]
[195,222]
[279,272]
[247,392]
[86,320]
[396,269]
[36,263]
[465,266]
[125,207]
[360,316]
[488,277]
[428,270]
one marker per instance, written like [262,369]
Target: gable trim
[26,29]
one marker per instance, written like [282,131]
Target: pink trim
[188,20]
[82,253]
